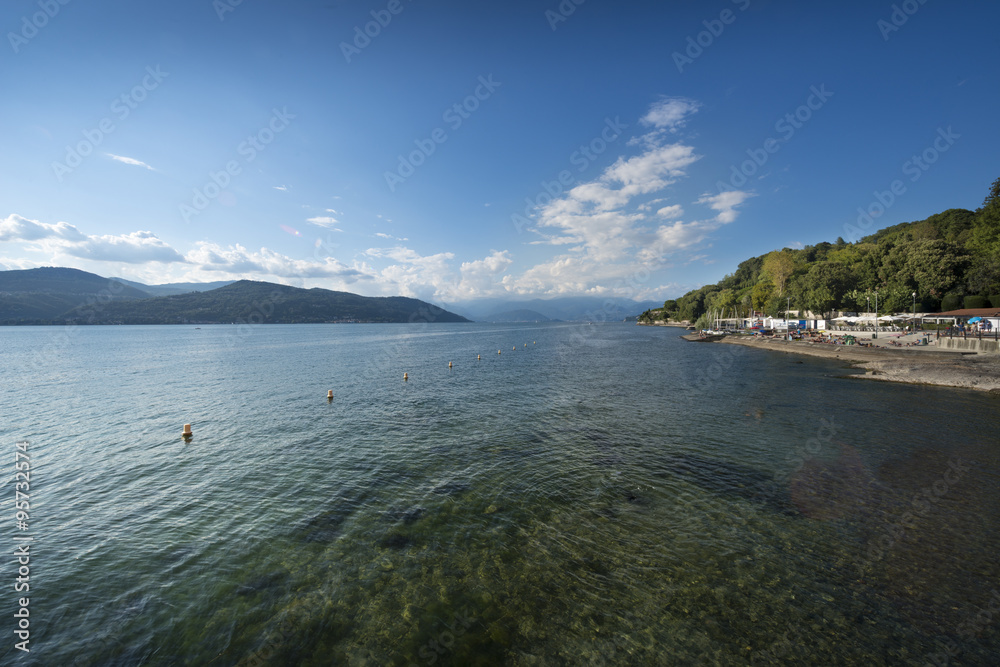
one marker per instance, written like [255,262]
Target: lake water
[596,494]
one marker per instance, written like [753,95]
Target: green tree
[761,294]
[724,300]
[779,265]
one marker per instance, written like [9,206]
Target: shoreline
[908,365]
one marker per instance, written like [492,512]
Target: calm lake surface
[602,494]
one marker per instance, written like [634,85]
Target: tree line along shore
[948,261]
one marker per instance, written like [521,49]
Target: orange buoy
[449,364]
[406,376]
[479,357]
[187,431]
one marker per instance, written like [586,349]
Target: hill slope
[37,295]
[61,296]
[175,288]
[947,261]
[260,302]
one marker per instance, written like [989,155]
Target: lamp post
[914,312]
[875,333]
[788,326]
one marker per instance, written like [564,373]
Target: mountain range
[53,295]
[67,296]
[567,309]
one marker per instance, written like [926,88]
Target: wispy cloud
[324,221]
[129,160]
[670,113]
[283,188]
[674,211]
[725,203]
[607,226]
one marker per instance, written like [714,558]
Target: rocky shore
[916,365]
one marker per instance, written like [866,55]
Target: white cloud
[479,278]
[725,203]
[323,221]
[390,237]
[674,211]
[609,239]
[283,188]
[15,228]
[129,160]
[238,260]
[134,248]
[63,238]
[670,113]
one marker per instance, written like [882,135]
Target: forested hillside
[951,260]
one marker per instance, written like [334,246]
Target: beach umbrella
[975,319]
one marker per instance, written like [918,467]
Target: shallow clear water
[604,494]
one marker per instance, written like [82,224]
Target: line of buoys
[187,434]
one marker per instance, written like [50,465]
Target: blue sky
[462,150]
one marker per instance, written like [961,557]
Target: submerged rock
[263,582]
[405,516]
[733,480]
[451,488]
[395,541]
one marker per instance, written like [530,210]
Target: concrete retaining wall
[970,345]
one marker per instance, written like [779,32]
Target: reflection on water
[608,495]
